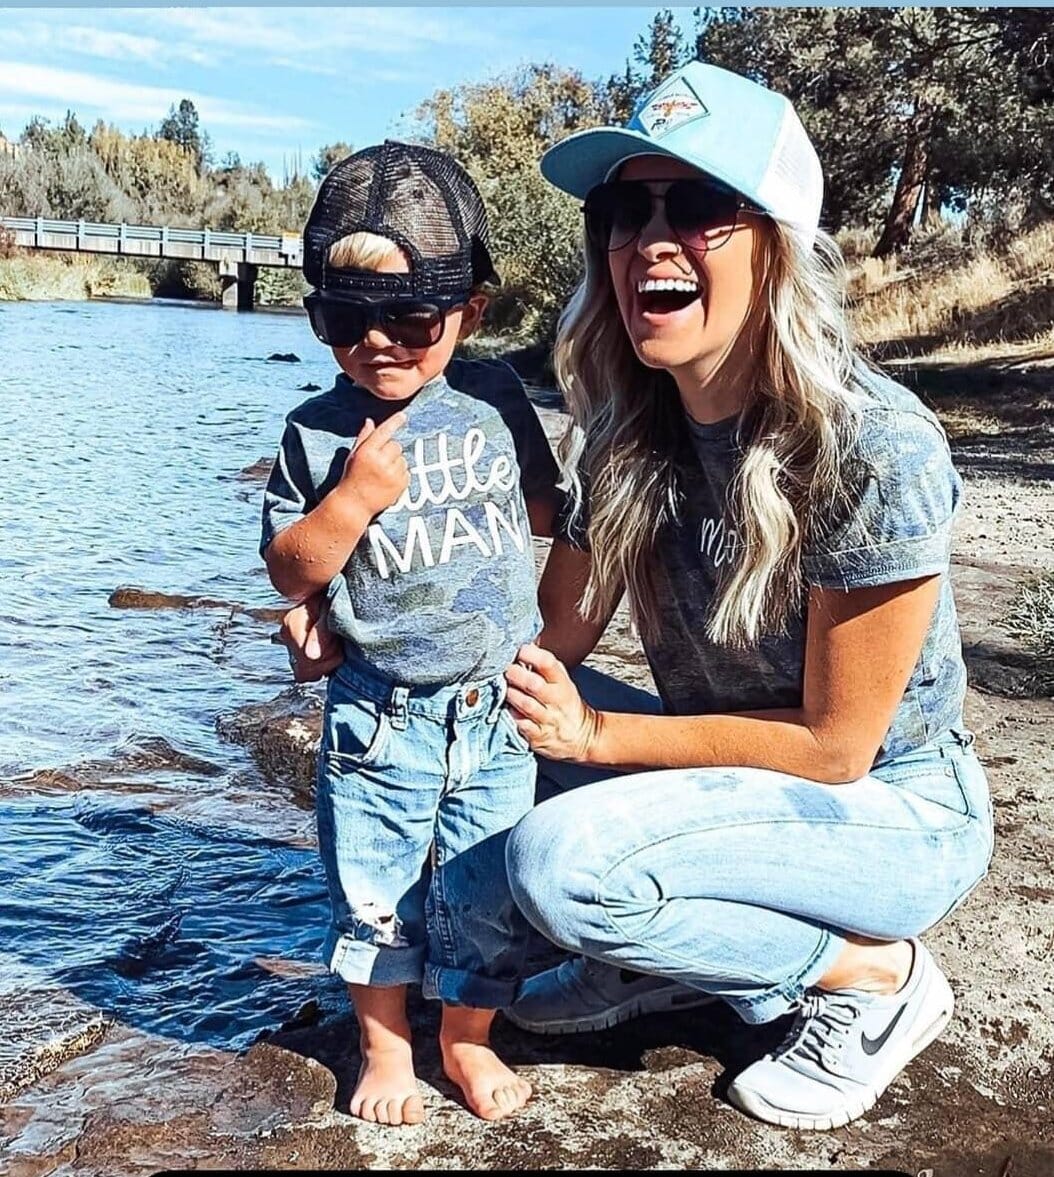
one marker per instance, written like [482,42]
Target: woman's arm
[861,647]
[566,634]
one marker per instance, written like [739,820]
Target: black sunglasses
[702,213]
[413,323]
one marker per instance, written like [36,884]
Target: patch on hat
[669,108]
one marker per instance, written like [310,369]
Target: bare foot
[490,1089]
[386,1092]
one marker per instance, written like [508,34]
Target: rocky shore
[647,1095]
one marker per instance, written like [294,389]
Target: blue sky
[269,82]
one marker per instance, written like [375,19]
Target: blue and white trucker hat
[733,129]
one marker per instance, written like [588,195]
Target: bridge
[239,255]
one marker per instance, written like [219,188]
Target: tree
[660,50]
[498,129]
[900,102]
[327,156]
[182,126]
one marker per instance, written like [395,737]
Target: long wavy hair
[624,453]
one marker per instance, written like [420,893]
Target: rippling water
[150,885]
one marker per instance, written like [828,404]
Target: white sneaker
[844,1049]
[582,994]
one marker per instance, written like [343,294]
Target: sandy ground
[648,1095]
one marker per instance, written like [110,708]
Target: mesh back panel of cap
[420,199]
[793,181]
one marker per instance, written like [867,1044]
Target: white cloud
[128,102]
[92,41]
[324,33]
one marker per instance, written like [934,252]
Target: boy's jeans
[741,882]
[417,791]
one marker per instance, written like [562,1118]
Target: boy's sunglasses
[701,213]
[413,323]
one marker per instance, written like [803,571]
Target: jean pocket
[933,778]
[506,721]
[356,734]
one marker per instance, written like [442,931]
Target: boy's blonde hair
[366,251]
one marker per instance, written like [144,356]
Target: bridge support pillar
[238,280]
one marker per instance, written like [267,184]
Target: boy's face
[395,373]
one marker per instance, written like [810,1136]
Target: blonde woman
[778,516]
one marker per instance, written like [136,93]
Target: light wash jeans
[417,791]
[741,882]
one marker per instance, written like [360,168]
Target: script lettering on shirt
[717,541]
[458,476]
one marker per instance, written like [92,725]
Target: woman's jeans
[742,882]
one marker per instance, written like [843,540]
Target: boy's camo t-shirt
[441,588]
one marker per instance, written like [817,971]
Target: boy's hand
[314,650]
[376,473]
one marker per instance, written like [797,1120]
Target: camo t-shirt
[441,588]
[902,492]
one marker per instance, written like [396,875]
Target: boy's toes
[413,1110]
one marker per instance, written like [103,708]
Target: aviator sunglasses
[413,323]
[702,213]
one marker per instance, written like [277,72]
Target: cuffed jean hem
[360,963]
[780,999]
[457,987]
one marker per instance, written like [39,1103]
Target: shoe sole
[757,1106]
[625,1011]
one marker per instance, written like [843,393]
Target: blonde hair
[625,449]
[362,251]
[367,251]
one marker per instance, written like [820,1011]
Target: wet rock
[41,1026]
[283,357]
[282,735]
[130,761]
[131,597]
[259,471]
[309,387]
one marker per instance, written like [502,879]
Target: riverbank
[125,1099]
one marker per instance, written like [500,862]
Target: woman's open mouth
[659,297]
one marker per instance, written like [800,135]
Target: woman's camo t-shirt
[903,492]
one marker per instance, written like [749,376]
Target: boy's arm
[304,557]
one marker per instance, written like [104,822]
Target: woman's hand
[550,714]
[314,650]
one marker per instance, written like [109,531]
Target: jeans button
[472,697]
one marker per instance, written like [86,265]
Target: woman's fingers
[542,662]
[526,680]
[526,705]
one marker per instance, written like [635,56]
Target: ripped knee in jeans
[374,925]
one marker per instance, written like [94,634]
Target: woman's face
[691,334]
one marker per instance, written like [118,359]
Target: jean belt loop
[398,708]
[501,688]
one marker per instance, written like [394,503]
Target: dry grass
[948,300]
[67,276]
[1031,618]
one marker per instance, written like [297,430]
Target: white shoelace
[820,1028]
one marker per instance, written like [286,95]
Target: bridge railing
[206,238]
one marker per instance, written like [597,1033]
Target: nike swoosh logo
[874,1045]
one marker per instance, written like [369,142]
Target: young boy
[408,492]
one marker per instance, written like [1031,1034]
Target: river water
[145,866]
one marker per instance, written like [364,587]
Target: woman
[779,517]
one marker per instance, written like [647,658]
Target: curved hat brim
[583,160]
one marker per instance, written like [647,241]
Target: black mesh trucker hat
[417,197]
